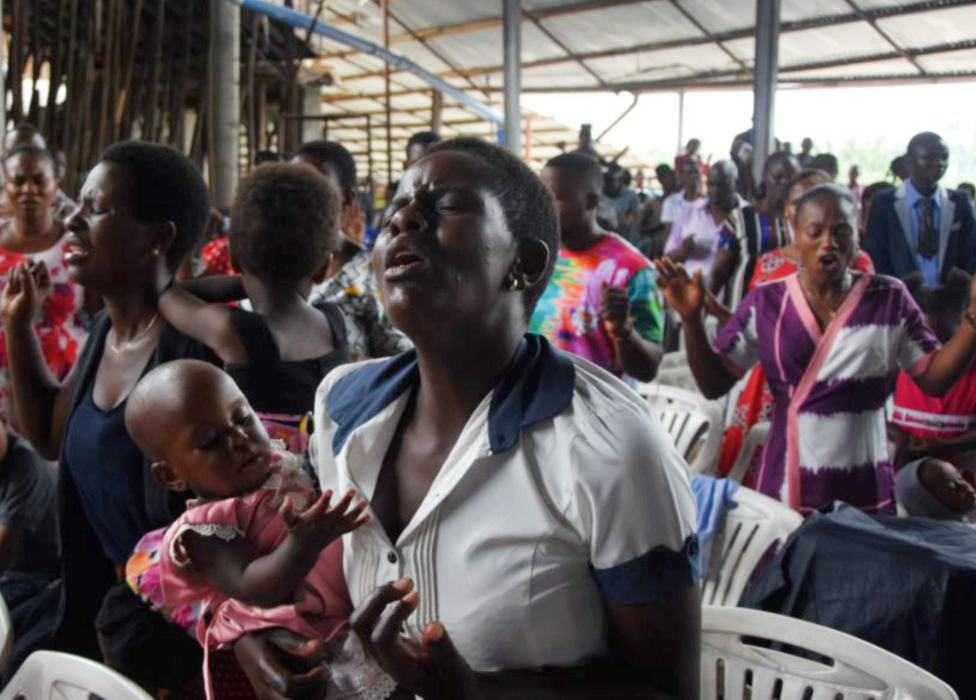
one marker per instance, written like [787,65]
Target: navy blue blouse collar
[537,385]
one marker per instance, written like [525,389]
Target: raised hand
[615,311]
[22,297]
[684,294]
[431,668]
[319,526]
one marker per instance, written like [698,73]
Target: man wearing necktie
[922,227]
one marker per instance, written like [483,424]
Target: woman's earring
[155,252]
[515,283]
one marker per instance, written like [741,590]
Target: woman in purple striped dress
[831,341]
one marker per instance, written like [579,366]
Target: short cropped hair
[950,297]
[581,164]
[826,162]
[922,138]
[166,186]
[285,222]
[529,209]
[827,190]
[423,138]
[336,155]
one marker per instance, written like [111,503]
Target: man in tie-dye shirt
[602,302]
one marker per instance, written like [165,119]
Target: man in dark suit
[920,226]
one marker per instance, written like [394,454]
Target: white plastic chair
[675,371]
[6,633]
[745,535]
[732,669]
[752,446]
[51,675]
[693,422]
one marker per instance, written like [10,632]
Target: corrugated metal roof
[637,46]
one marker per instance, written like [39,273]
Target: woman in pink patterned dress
[34,233]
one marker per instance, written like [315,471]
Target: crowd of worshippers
[405,445]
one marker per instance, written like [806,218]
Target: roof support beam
[720,79]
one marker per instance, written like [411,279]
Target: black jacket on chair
[888,238]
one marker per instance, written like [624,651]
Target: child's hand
[319,526]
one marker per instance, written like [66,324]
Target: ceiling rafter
[558,42]
[492,22]
[884,35]
[718,38]
[704,30]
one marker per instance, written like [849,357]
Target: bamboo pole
[262,114]
[37,60]
[85,105]
[65,133]
[49,124]
[253,103]
[167,96]
[178,108]
[16,65]
[129,67]
[211,123]
[105,101]
[156,57]
[389,103]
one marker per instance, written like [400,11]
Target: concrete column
[764,82]
[227,100]
[512,24]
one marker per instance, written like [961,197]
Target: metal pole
[512,21]
[764,82]
[681,121]
[227,101]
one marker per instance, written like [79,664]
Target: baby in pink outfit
[256,549]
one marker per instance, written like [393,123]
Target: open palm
[684,294]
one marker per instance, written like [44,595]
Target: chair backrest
[733,667]
[50,675]
[752,447]
[693,422]
[745,536]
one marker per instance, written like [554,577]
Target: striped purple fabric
[842,451]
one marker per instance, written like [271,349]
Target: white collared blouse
[562,495]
